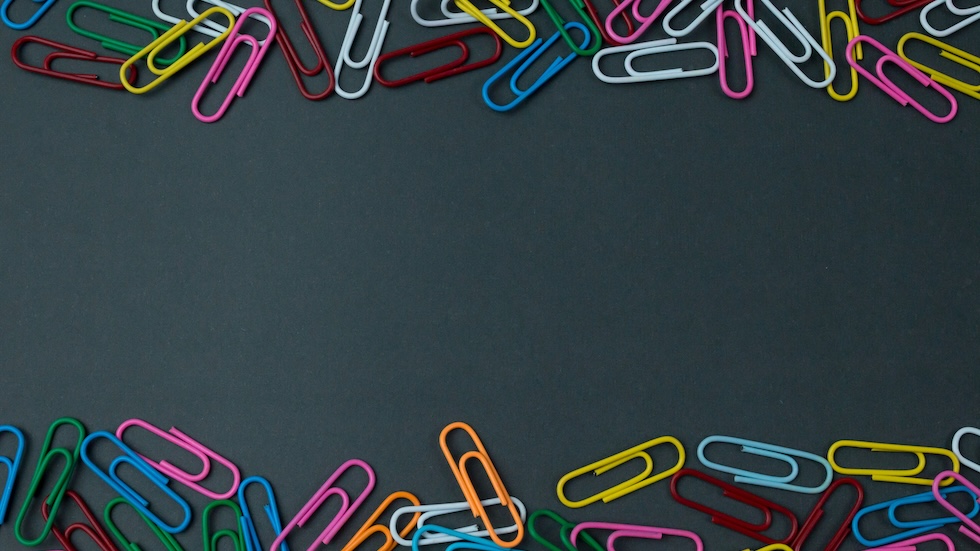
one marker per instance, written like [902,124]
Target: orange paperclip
[370,528]
[463,478]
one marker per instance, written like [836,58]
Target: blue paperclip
[139,502]
[13,466]
[523,62]
[927,497]
[466,541]
[908,533]
[249,533]
[45,6]
[767,450]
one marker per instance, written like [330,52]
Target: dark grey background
[302,283]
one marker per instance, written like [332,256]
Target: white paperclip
[438,509]
[956,447]
[707,8]
[203,28]
[794,26]
[641,49]
[216,29]
[460,18]
[973,15]
[370,58]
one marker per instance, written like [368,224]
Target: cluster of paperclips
[596,37]
[422,528]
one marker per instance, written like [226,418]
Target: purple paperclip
[910,544]
[178,438]
[644,20]
[969,528]
[347,507]
[888,87]
[633,531]
[748,49]
[245,77]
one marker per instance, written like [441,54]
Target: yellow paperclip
[850,21]
[965,59]
[613,461]
[154,48]
[468,8]
[775,546]
[902,476]
[339,7]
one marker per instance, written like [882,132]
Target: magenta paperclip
[347,507]
[644,20]
[910,544]
[181,440]
[633,531]
[969,528]
[888,87]
[245,77]
[748,49]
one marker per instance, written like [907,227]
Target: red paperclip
[93,529]
[594,15]
[817,513]
[903,8]
[754,531]
[65,51]
[454,67]
[293,61]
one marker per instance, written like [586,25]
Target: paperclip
[480,454]
[707,8]
[774,547]
[293,61]
[653,47]
[249,533]
[564,527]
[741,526]
[154,28]
[600,26]
[928,497]
[644,20]
[767,450]
[969,528]
[213,28]
[471,10]
[47,456]
[818,512]
[369,527]
[65,51]
[887,505]
[956,448]
[211,539]
[241,83]
[905,476]
[850,24]
[793,25]
[747,36]
[168,540]
[335,6]
[370,58]
[463,18]
[633,484]
[462,540]
[133,459]
[425,512]
[633,531]
[455,67]
[347,507]
[45,6]
[968,61]
[93,529]
[910,544]
[559,22]
[924,19]
[13,467]
[176,436]
[903,8]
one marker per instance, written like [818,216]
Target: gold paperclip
[902,476]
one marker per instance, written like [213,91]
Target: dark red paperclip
[600,24]
[754,531]
[293,61]
[817,513]
[454,67]
[93,529]
[903,8]
[65,51]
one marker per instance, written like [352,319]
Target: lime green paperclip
[559,21]
[178,30]
[169,542]
[965,59]
[850,20]
[902,476]
[126,18]
[474,12]
[635,483]
[211,539]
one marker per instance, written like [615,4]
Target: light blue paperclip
[901,535]
[927,497]
[13,466]
[523,62]
[45,6]
[767,450]
[466,541]
[249,533]
[124,490]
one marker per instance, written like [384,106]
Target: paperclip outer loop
[906,476]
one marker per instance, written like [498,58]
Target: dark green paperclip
[211,540]
[168,540]
[566,528]
[48,455]
[559,21]
[155,28]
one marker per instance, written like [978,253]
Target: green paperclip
[565,530]
[126,18]
[168,539]
[211,540]
[559,21]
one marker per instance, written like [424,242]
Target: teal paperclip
[126,18]
[559,21]
[13,467]
[565,528]
[168,540]
[211,539]
[767,450]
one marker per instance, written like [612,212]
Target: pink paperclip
[347,507]
[645,21]
[910,544]
[633,531]
[748,49]
[888,87]
[245,77]
[178,438]
[969,528]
